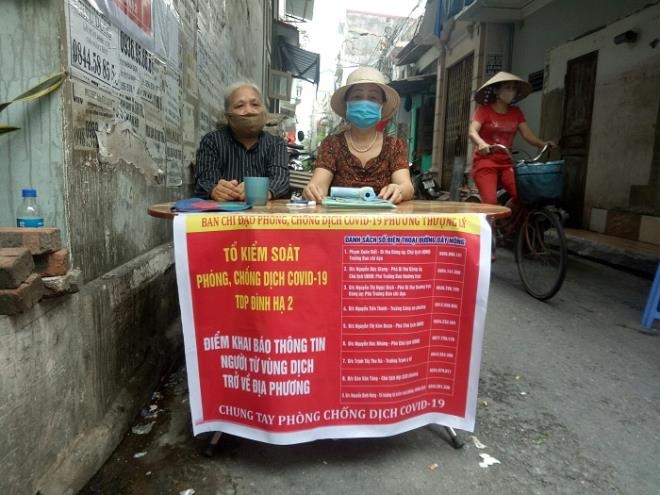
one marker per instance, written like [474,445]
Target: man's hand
[228,190]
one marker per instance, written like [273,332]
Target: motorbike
[424,183]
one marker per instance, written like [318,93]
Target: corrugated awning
[302,64]
[415,84]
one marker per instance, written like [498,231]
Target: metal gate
[457,117]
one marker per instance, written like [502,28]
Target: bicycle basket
[539,182]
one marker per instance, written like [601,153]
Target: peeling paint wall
[150,111]
[133,136]
[119,135]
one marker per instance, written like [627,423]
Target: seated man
[241,149]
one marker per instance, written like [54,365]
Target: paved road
[569,403]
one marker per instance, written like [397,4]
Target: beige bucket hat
[364,75]
[486,94]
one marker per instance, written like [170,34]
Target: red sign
[306,326]
[138,11]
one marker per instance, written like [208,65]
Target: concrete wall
[554,25]
[626,106]
[34,155]
[74,371]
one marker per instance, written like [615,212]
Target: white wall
[626,99]
[552,26]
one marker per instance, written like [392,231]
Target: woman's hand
[318,186]
[392,192]
[228,190]
[483,149]
[313,192]
[551,144]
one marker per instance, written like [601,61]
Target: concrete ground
[568,403]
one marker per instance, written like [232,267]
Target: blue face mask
[363,113]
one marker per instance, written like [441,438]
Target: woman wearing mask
[362,155]
[497,121]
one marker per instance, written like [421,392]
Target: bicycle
[536,225]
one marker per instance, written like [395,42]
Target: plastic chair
[652,310]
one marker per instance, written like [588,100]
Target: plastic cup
[256,190]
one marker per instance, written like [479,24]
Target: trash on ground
[143,429]
[188,491]
[488,460]
[476,442]
[152,412]
[137,455]
[433,466]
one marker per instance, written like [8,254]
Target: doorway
[579,85]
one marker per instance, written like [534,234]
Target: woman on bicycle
[497,121]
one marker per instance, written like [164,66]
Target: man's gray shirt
[221,156]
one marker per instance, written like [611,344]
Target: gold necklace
[361,150]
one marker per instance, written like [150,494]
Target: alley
[568,403]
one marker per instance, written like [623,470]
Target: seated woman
[361,155]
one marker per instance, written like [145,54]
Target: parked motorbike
[424,183]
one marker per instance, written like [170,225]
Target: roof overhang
[415,84]
[423,39]
[504,11]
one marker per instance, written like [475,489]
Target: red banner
[306,326]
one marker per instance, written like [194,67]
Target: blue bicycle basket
[539,182]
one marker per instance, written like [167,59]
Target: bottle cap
[29,193]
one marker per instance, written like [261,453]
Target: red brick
[66,284]
[38,241]
[15,266]
[14,301]
[53,264]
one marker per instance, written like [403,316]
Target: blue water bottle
[28,214]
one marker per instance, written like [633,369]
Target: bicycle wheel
[541,253]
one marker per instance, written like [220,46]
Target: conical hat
[485,94]
[366,75]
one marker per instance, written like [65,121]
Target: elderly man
[241,149]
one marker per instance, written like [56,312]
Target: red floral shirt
[335,156]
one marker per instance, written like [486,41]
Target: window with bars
[536,80]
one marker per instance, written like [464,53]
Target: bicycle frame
[540,243]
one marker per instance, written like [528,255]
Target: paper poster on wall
[134,17]
[92,45]
[173,157]
[306,326]
[93,109]
[152,23]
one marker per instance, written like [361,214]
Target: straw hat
[486,94]
[364,75]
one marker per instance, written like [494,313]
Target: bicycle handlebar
[508,152]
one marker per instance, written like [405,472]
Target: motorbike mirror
[301,136]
